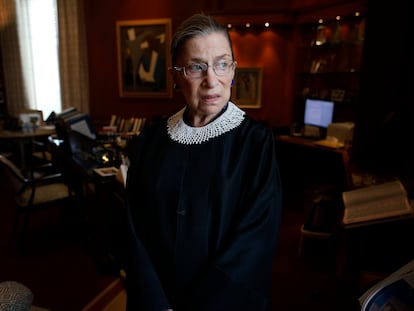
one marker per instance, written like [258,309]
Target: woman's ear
[173,75]
[234,73]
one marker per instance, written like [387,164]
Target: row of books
[132,126]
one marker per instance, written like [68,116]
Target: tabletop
[40,131]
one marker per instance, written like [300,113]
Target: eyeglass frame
[205,66]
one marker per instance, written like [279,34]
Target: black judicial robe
[203,220]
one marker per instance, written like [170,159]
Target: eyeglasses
[196,70]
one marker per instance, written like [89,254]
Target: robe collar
[183,133]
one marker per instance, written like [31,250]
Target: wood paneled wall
[273,49]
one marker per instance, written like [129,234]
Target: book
[377,203]
[112,122]
[394,292]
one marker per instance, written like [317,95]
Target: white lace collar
[179,131]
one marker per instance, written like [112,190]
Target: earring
[232,82]
[176,87]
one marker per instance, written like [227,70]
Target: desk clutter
[124,126]
[335,135]
[96,148]
[71,135]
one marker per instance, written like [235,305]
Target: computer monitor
[318,113]
[81,123]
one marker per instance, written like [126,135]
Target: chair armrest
[49,178]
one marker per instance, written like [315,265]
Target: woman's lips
[210,98]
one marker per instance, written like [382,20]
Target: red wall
[265,48]
[268,49]
[272,49]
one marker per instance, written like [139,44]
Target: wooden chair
[30,195]
[321,224]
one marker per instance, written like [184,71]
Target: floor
[60,264]
[307,282]
[66,271]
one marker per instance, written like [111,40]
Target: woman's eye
[195,67]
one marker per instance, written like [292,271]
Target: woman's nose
[210,76]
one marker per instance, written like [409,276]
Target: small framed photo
[247,88]
[144,58]
[106,171]
[337,95]
[32,117]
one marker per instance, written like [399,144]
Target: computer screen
[82,124]
[318,112]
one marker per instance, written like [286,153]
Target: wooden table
[24,140]
[310,145]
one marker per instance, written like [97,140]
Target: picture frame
[34,118]
[247,87]
[106,171]
[144,58]
[338,95]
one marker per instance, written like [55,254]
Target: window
[38,33]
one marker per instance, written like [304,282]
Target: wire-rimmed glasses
[197,70]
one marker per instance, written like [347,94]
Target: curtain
[72,55]
[16,88]
[18,73]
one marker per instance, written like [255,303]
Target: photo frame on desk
[247,87]
[144,58]
[106,171]
[32,117]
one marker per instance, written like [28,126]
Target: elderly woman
[203,190]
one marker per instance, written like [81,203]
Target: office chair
[31,195]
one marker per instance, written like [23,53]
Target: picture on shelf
[337,95]
[317,66]
[247,88]
[320,35]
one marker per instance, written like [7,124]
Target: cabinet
[329,59]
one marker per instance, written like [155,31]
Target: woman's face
[208,94]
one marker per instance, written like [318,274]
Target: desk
[306,150]
[378,249]
[103,205]
[24,141]
[313,179]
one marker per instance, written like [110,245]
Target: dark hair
[196,25]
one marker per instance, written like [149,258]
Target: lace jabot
[179,131]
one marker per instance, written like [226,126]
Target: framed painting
[143,58]
[247,87]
